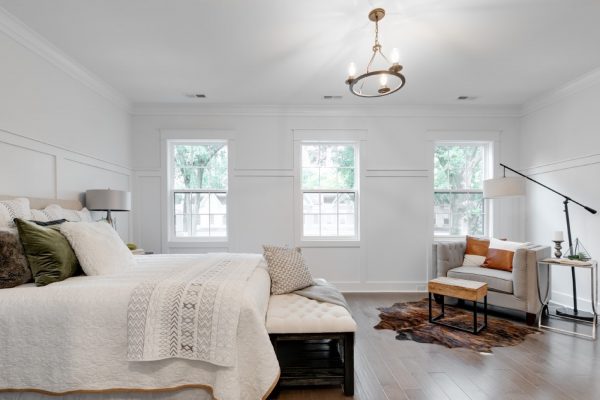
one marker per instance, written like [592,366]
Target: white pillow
[54,212]
[98,247]
[11,209]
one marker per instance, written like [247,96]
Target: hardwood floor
[545,366]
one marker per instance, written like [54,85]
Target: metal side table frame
[594,294]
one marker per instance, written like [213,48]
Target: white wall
[561,142]
[396,191]
[59,134]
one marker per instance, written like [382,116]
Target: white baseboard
[387,286]
[566,300]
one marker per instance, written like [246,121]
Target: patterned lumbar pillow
[500,254]
[476,251]
[287,269]
[55,212]
[14,270]
[98,246]
[11,209]
[48,253]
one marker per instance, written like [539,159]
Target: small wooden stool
[460,289]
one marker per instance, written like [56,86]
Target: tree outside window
[459,171]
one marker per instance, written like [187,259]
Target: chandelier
[377,83]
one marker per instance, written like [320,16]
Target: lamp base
[570,313]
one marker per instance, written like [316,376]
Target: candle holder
[557,248]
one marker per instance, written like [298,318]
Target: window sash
[190,214]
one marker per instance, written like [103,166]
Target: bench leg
[349,364]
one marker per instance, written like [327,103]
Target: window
[459,171]
[198,189]
[329,188]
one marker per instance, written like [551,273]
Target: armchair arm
[525,275]
[447,255]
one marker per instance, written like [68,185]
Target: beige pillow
[287,269]
[11,209]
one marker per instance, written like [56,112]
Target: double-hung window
[459,171]
[329,186]
[198,175]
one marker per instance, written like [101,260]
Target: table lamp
[108,200]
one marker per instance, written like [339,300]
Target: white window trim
[489,153]
[170,215]
[327,241]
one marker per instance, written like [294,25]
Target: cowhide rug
[410,321]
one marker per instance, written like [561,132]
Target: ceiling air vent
[332,97]
[195,95]
[466,98]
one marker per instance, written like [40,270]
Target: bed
[71,338]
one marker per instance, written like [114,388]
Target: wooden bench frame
[307,374]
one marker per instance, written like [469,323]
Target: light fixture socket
[383,90]
[396,67]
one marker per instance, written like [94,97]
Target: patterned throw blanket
[190,313]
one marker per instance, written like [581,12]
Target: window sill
[351,243]
[199,243]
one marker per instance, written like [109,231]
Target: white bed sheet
[72,335]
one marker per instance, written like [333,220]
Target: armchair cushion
[497,280]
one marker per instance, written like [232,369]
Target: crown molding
[348,111]
[583,82]
[30,39]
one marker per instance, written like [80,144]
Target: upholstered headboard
[39,203]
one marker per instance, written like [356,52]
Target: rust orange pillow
[476,251]
[500,254]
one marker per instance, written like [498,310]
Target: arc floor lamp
[514,186]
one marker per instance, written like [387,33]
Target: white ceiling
[294,52]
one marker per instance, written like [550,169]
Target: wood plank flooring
[549,366]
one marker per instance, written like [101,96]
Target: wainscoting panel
[27,172]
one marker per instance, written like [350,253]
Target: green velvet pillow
[48,253]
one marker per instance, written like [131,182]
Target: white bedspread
[72,336]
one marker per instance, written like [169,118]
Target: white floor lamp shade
[503,187]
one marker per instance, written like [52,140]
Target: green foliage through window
[459,171]
[200,166]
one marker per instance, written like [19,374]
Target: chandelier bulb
[383,80]
[351,70]
[395,56]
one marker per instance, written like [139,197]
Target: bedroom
[95,93]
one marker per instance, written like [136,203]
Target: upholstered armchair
[516,290]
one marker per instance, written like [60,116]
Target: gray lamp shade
[108,200]
[503,187]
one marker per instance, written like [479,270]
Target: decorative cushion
[500,254]
[292,313]
[55,212]
[14,270]
[40,216]
[48,253]
[11,209]
[50,223]
[497,280]
[98,246]
[287,269]
[476,251]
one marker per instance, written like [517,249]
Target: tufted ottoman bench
[313,340]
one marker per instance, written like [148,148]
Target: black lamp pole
[575,313]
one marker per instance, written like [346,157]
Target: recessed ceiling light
[332,97]
[195,95]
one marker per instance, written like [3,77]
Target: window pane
[459,166]
[182,225]
[199,203]
[199,225]
[311,203]
[218,225]
[218,203]
[347,222]
[181,203]
[329,203]
[310,156]
[338,155]
[328,178]
[345,178]
[312,224]
[329,225]
[346,203]
[310,178]
[199,166]
[458,213]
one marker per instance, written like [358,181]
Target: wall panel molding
[561,165]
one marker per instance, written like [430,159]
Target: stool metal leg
[475,316]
